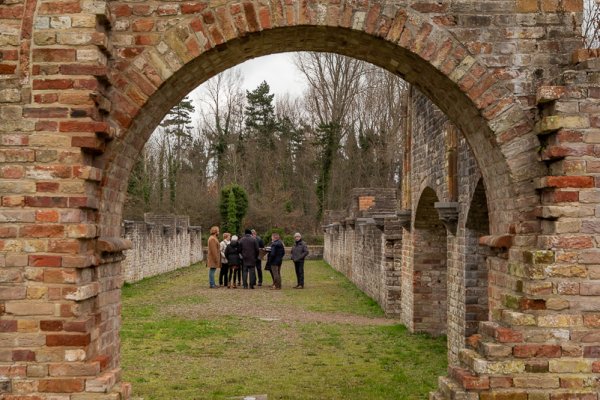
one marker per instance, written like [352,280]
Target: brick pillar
[58,299]
[543,341]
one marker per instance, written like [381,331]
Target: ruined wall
[418,257]
[360,243]
[84,82]
[161,243]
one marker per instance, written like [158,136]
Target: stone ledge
[497,241]
[113,244]
[546,94]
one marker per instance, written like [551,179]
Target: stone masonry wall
[430,273]
[83,83]
[160,243]
[362,245]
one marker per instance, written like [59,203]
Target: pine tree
[177,127]
[233,205]
[261,121]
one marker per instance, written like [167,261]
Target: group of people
[240,260]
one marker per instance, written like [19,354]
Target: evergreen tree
[261,121]
[232,225]
[233,206]
[328,138]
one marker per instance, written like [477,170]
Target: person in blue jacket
[275,259]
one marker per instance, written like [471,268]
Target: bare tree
[221,120]
[591,24]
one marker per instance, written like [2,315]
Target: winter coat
[222,247]
[276,254]
[249,250]
[213,258]
[261,246]
[232,252]
[299,251]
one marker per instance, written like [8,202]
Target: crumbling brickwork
[160,243]
[83,83]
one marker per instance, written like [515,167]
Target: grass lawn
[183,341]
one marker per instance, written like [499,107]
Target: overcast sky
[277,69]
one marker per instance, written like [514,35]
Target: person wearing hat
[213,258]
[299,253]
[249,251]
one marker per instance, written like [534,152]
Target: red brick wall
[83,83]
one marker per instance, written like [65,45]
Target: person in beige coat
[213,258]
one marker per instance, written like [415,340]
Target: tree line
[292,157]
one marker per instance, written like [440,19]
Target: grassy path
[183,341]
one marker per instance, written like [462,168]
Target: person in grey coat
[299,253]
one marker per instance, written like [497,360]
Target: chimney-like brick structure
[84,82]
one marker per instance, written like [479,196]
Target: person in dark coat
[299,253]
[261,246]
[249,251]
[232,253]
[275,259]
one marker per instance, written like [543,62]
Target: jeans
[249,270]
[276,272]
[299,266]
[211,277]
[223,275]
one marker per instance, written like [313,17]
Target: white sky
[277,69]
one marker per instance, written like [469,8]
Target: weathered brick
[67,339]
[61,385]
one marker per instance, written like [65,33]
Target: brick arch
[400,40]
[430,266]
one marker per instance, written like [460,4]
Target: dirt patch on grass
[264,304]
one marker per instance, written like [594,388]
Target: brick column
[57,298]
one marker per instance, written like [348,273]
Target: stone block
[570,366]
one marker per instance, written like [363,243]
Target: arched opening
[476,274]
[151,83]
[429,268]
